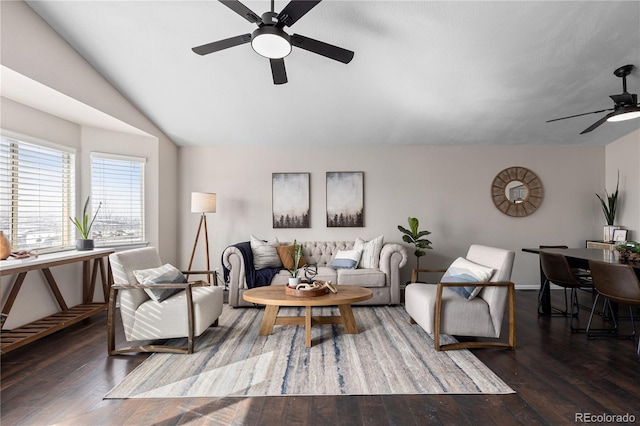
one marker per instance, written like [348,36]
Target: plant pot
[293,282]
[608,233]
[84,245]
[5,246]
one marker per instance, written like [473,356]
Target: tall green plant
[295,256]
[84,226]
[609,207]
[415,237]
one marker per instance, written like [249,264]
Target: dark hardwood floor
[556,374]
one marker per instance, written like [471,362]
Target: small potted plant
[413,236]
[609,209]
[84,227]
[296,255]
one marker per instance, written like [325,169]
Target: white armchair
[185,314]
[439,310]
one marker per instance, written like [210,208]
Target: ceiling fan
[270,40]
[625,105]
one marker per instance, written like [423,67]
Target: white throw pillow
[370,252]
[346,259]
[265,254]
[465,271]
[164,274]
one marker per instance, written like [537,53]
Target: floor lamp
[203,203]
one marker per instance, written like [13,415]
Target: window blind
[37,184]
[117,189]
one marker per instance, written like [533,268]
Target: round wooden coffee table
[274,297]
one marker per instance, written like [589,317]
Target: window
[117,188]
[37,185]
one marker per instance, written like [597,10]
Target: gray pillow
[164,274]
[265,254]
[465,271]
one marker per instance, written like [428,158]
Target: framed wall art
[345,199]
[290,200]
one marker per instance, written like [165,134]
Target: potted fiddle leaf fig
[415,237]
[609,208]
[83,226]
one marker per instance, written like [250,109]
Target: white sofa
[383,281]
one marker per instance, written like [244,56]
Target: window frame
[67,193]
[142,240]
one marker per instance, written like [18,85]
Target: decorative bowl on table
[303,292]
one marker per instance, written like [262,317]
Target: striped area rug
[389,356]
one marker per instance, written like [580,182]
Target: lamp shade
[203,202]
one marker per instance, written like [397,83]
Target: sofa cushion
[370,252]
[324,274]
[164,274]
[286,254]
[265,254]
[362,277]
[346,259]
[465,271]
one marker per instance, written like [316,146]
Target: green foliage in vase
[84,225]
[295,256]
[415,237]
[609,207]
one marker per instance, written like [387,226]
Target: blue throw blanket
[254,278]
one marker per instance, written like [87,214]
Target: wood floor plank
[62,379]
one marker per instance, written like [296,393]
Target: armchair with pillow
[372,264]
[469,300]
[157,302]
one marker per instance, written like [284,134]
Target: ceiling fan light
[624,115]
[271,42]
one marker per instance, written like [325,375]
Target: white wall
[624,155]
[32,48]
[447,188]
[35,299]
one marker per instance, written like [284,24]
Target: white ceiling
[424,72]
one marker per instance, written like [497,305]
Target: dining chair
[577,272]
[618,283]
[557,271]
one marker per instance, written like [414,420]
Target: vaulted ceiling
[424,72]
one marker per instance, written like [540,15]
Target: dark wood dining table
[577,258]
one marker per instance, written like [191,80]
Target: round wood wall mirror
[516,191]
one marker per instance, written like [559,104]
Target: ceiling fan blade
[596,124]
[222,44]
[242,10]
[580,115]
[278,71]
[327,50]
[295,10]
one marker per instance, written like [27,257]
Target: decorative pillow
[464,271]
[346,259]
[286,254]
[164,274]
[370,251]
[265,254]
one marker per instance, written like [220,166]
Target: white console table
[15,338]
